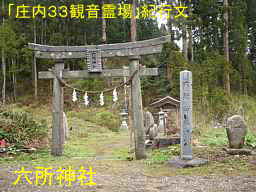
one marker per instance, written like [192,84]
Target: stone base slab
[166,141]
[180,163]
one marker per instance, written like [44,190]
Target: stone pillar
[161,123]
[124,118]
[186,158]
[186,114]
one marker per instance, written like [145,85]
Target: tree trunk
[85,38]
[104,41]
[14,78]
[243,77]
[226,49]
[104,27]
[34,64]
[190,45]
[3,64]
[133,22]
[3,10]
[45,32]
[4,77]
[42,32]
[184,42]
[171,30]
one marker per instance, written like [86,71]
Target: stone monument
[186,158]
[236,131]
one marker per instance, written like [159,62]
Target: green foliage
[8,38]
[21,128]
[107,119]
[160,156]
[172,62]
[94,84]
[219,104]
[250,139]
[3,134]
[100,116]
[215,137]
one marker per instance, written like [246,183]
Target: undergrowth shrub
[20,129]
[107,119]
[99,116]
[160,156]
[215,137]
[250,139]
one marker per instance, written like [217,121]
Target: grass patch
[160,156]
[219,164]
[98,116]
[250,139]
[214,137]
[121,153]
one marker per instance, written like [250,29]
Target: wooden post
[137,113]
[186,114]
[57,117]
[177,119]
[125,88]
[127,103]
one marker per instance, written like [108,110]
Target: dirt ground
[113,175]
[129,177]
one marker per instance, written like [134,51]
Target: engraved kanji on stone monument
[93,58]
[186,114]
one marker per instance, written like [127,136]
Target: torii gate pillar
[57,110]
[137,112]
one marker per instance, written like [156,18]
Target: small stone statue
[236,131]
[150,126]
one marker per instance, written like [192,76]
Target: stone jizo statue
[236,131]
[151,128]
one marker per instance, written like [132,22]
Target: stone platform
[165,141]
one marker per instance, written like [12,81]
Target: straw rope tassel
[115,98]
[86,100]
[74,96]
[101,99]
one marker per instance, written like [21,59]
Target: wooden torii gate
[131,49]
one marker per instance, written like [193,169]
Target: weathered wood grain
[103,47]
[137,113]
[105,53]
[146,47]
[105,73]
[57,110]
